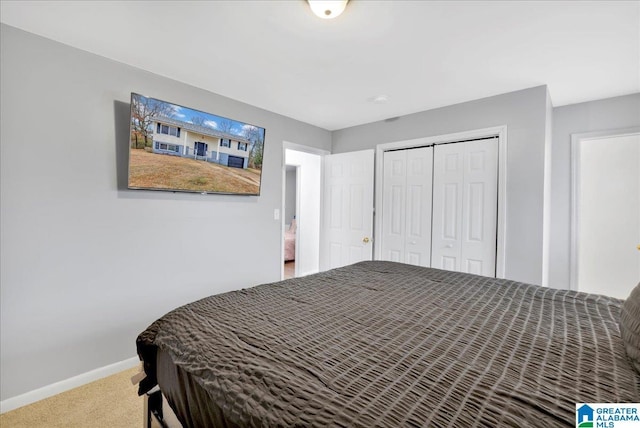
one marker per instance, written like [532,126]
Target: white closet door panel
[480,208]
[418,207]
[406,215]
[394,256]
[448,180]
[396,210]
[465,199]
[393,205]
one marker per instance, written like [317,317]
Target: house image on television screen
[178,148]
[177,138]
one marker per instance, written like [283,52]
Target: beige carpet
[110,402]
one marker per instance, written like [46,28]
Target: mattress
[387,344]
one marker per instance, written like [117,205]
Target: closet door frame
[497,131]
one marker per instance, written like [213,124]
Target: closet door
[393,205]
[418,217]
[465,200]
[406,216]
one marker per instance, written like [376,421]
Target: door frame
[496,131]
[576,141]
[203,145]
[300,148]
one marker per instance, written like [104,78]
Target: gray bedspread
[387,344]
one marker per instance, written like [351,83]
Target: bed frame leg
[153,409]
[146,422]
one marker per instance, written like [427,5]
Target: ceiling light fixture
[327,9]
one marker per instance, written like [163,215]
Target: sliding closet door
[393,205]
[406,216]
[465,200]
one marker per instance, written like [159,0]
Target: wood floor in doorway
[289,269]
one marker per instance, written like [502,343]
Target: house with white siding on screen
[178,138]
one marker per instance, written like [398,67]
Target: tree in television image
[177,148]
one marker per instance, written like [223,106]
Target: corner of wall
[546,215]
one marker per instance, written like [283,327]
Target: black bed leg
[146,423]
[154,410]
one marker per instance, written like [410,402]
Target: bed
[387,344]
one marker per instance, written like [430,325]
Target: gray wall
[602,115]
[290,194]
[86,263]
[524,114]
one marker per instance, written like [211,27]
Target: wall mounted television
[180,149]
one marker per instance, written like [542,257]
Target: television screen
[180,149]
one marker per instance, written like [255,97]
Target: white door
[348,209]
[609,215]
[465,200]
[406,206]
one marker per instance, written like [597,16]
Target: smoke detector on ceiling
[379,99]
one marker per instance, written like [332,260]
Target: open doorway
[290,223]
[304,237]
[606,213]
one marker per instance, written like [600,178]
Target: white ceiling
[421,54]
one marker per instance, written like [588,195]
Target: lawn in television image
[177,148]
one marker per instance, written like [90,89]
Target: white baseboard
[67,384]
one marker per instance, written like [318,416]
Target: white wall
[86,264]
[525,114]
[308,200]
[608,114]
[290,195]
